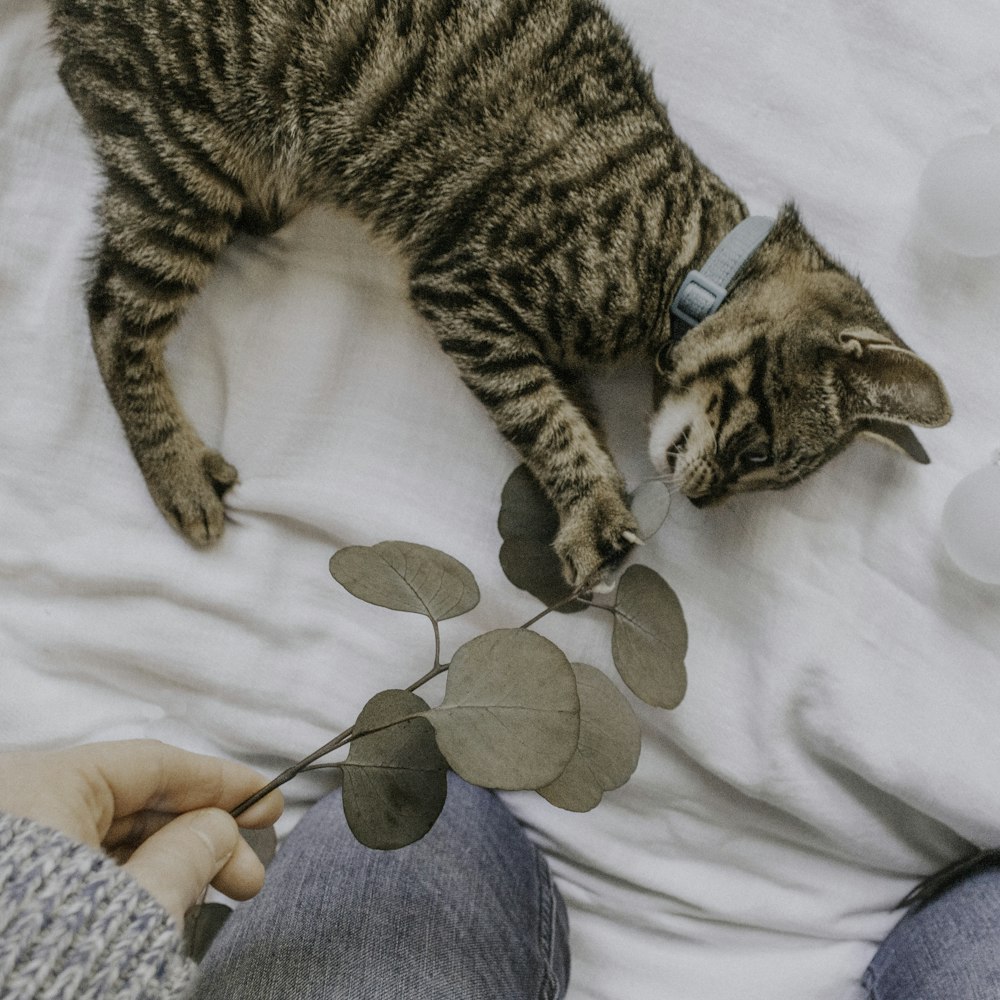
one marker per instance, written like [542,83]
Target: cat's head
[792,367]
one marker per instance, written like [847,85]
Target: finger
[242,876]
[139,775]
[126,835]
[126,832]
[263,813]
[180,860]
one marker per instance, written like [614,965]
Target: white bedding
[840,736]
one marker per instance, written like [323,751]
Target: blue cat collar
[703,291]
[697,298]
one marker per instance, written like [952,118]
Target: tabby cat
[516,153]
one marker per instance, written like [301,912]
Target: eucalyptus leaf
[650,505]
[263,842]
[395,779]
[607,750]
[649,639]
[405,576]
[534,566]
[510,718]
[528,524]
[525,510]
[201,924]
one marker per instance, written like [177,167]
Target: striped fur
[516,153]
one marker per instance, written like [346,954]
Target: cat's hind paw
[189,491]
[594,539]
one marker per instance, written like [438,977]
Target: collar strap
[703,291]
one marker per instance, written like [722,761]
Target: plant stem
[338,741]
[303,765]
[435,671]
[574,596]
[335,744]
[438,668]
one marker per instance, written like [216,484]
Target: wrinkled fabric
[838,739]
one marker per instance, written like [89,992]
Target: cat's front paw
[188,488]
[595,537]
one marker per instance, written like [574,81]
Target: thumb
[177,862]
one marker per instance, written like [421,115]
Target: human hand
[158,810]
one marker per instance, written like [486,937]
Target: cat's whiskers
[669,479]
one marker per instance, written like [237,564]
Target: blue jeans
[947,949]
[469,911]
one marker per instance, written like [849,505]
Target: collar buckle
[702,292]
[697,298]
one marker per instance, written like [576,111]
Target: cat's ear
[897,436]
[884,381]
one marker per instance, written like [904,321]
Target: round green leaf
[201,924]
[525,510]
[650,504]
[263,842]
[534,566]
[607,750]
[649,638]
[528,524]
[395,779]
[511,715]
[405,576]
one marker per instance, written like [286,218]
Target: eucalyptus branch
[516,713]
[438,667]
[308,763]
[290,772]
[576,595]
[648,644]
[435,671]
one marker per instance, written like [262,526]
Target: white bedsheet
[840,736]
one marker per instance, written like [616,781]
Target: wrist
[70,913]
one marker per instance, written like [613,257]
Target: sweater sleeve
[76,926]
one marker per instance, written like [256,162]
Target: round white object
[971,524]
[959,195]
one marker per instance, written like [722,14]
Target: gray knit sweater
[75,926]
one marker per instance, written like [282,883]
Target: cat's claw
[594,539]
[607,575]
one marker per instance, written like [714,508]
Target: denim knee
[470,910]
[946,949]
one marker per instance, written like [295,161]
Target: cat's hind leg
[163,229]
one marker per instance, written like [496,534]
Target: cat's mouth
[677,449]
